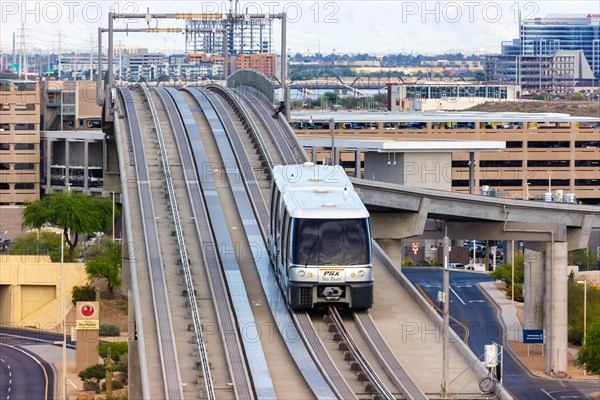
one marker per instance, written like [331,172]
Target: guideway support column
[534,289]
[555,307]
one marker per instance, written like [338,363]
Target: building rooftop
[450,116]
[406,145]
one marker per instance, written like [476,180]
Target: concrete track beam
[579,238]
[497,231]
[399,225]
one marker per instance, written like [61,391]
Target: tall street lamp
[584,283]
[62,315]
[113,216]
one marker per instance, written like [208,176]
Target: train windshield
[330,242]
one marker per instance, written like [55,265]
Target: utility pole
[91,77]
[446,318]
[59,59]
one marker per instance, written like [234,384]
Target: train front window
[330,242]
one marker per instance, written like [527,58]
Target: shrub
[116,385]
[116,349]
[109,330]
[93,375]
[576,335]
[83,293]
[407,262]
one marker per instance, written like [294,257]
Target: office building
[553,55]
[19,142]
[556,32]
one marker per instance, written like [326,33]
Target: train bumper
[306,295]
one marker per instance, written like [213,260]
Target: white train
[319,238]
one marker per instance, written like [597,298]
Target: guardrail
[133,267]
[261,143]
[182,250]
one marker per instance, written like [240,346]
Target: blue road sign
[531,336]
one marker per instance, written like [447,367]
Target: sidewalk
[530,355]
[508,311]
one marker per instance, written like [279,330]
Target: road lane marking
[456,294]
[476,301]
[37,361]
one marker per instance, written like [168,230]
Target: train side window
[286,237]
[277,218]
[274,204]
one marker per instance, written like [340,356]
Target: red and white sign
[88,310]
[415,247]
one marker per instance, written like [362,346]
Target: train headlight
[310,274]
[301,273]
[361,273]
[353,274]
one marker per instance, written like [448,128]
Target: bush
[519,292]
[576,335]
[83,293]
[93,375]
[407,262]
[116,385]
[109,330]
[116,349]
[589,355]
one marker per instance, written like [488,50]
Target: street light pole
[63,316]
[550,181]
[113,216]
[584,309]
[446,318]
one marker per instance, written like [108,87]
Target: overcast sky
[372,26]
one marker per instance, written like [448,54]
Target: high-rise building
[19,142]
[546,36]
[552,54]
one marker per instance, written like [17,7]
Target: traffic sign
[415,247]
[533,336]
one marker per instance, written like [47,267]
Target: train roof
[318,191]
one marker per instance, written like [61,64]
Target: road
[470,306]
[23,375]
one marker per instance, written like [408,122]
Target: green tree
[93,374]
[504,272]
[106,264]
[589,355]
[73,212]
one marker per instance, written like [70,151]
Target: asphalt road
[23,375]
[470,307]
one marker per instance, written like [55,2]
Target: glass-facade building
[545,36]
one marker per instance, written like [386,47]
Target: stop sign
[415,246]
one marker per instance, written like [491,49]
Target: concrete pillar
[534,289]
[555,307]
[67,172]
[357,173]
[393,249]
[85,164]
[48,164]
[314,154]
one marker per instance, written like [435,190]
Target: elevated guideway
[401,212]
